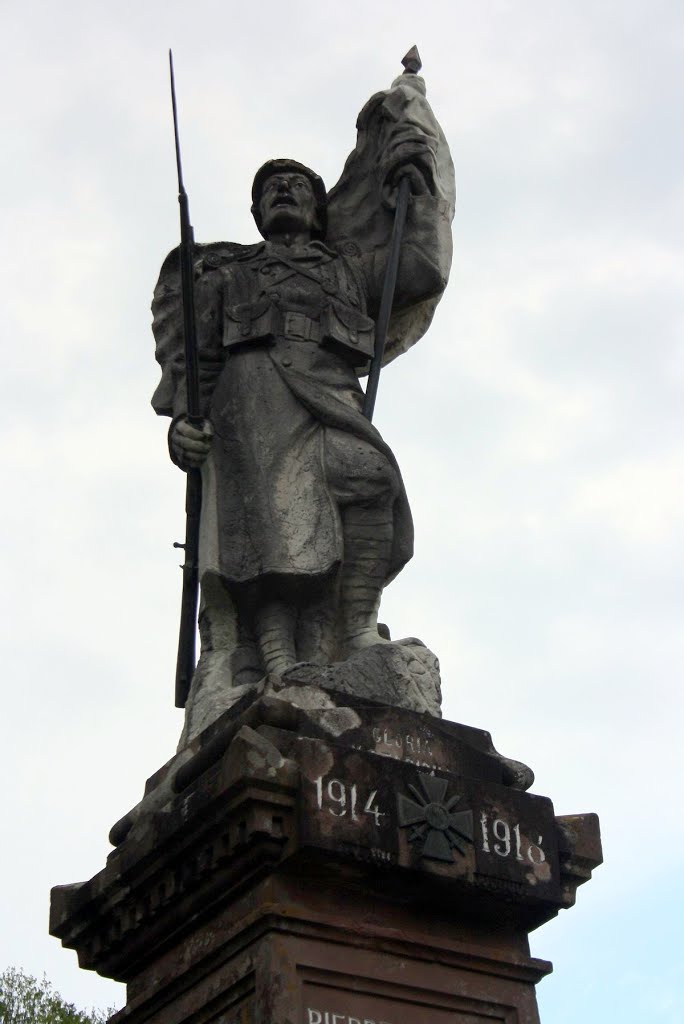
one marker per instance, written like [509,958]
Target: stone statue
[314,779]
[304,514]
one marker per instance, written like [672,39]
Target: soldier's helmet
[278,167]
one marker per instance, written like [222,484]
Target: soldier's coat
[280,332]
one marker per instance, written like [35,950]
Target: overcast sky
[538,425]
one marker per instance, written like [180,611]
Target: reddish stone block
[361,866]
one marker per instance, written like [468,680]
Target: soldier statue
[304,514]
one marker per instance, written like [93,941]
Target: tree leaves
[25,1000]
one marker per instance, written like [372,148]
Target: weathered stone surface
[402,674]
[349,859]
[210,696]
[284,712]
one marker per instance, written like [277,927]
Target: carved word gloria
[404,742]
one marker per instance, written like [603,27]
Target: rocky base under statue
[402,674]
[321,858]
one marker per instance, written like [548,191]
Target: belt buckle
[297,325]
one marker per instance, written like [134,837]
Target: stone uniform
[282,332]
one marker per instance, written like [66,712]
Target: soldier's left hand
[416,179]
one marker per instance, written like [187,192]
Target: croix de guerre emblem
[432,821]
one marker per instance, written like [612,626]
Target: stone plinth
[345,864]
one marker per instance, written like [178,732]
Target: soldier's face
[287,204]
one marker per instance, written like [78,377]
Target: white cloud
[639,502]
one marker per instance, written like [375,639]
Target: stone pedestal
[341,864]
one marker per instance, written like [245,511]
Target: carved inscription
[368,854]
[361,1003]
[398,814]
[327,1017]
[404,746]
[405,743]
[498,837]
[340,798]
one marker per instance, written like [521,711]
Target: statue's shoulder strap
[208,256]
[355,263]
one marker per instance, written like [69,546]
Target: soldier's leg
[318,638]
[366,486]
[275,622]
[226,634]
[368,534]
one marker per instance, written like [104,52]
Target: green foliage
[24,1000]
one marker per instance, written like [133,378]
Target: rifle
[185,662]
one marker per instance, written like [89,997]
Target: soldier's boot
[275,628]
[368,535]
